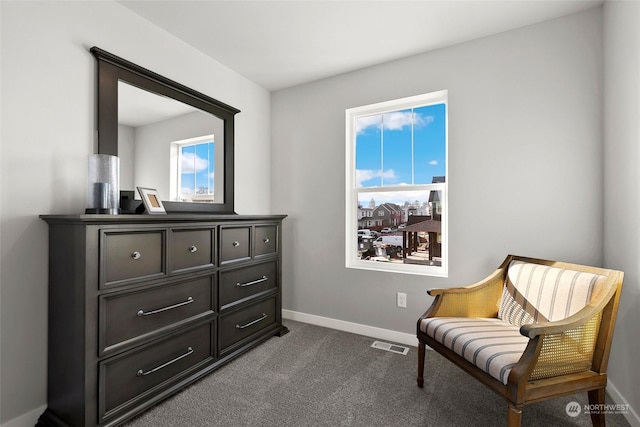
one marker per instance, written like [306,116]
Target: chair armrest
[480,299]
[568,345]
[575,321]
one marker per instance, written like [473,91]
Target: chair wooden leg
[596,401]
[421,349]
[514,415]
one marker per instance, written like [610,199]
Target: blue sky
[385,155]
[384,151]
[197,167]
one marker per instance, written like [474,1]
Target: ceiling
[283,43]
[139,107]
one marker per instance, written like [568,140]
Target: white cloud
[433,163]
[363,123]
[364,175]
[191,163]
[396,120]
[423,120]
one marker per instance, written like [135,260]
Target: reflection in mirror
[168,137]
[170,146]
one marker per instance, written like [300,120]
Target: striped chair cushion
[537,293]
[491,344]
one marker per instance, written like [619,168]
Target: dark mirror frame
[111,70]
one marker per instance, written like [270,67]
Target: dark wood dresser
[140,306]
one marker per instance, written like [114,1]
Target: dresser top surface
[133,219]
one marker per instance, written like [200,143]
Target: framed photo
[151,199]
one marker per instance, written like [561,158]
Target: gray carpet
[315,376]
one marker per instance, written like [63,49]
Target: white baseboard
[354,328]
[26,420]
[631,416]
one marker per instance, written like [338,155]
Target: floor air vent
[394,348]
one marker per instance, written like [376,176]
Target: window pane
[429,143]
[368,151]
[396,151]
[203,168]
[197,172]
[187,168]
[403,227]
[211,173]
[396,180]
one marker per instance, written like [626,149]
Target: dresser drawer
[235,244]
[123,378]
[241,324]
[265,240]
[132,255]
[192,249]
[127,316]
[241,283]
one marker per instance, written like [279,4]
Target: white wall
[152,148]
[126,153]
[622,187]
[48,114]
[525,170]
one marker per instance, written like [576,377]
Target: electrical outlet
[401,300]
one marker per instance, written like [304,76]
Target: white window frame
[175,171]
[351,211]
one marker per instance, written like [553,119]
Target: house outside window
[396,163]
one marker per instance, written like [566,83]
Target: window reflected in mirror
[170,146]
[193,165]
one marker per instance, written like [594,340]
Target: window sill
[389,267]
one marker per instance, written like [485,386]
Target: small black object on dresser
[142,306]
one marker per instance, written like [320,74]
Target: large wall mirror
[167,136]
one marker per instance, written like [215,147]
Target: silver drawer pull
[136,255]
[141,313]
[255,282]
[266,240]
[253,322]
[193,249]
[236,244]
[142,373]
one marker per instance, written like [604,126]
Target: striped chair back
[536,293]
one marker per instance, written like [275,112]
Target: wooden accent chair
[531,331]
